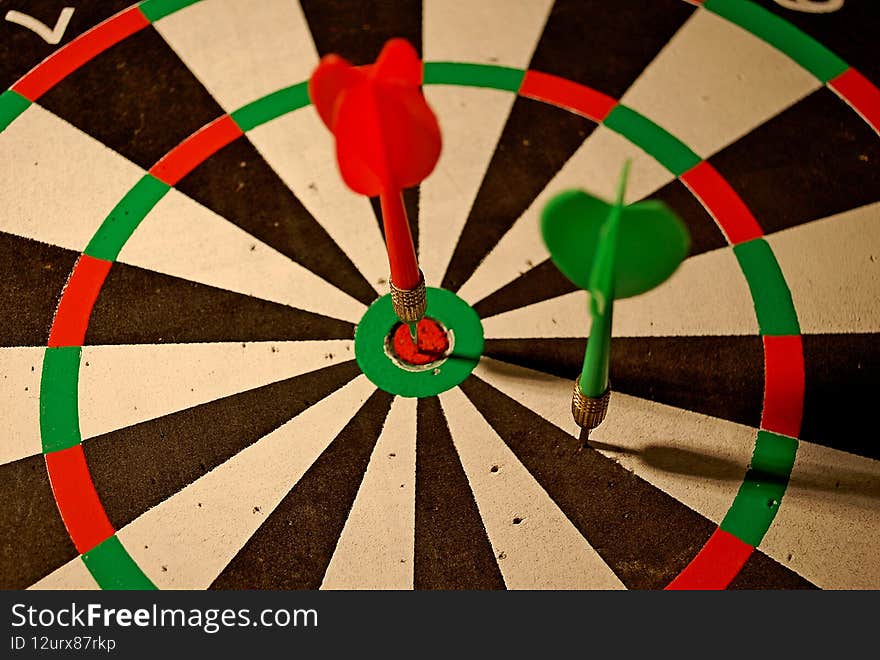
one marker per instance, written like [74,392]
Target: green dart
[612,251]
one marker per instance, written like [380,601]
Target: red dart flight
[387,137]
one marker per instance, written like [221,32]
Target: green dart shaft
[594,375]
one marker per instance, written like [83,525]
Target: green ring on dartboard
[465,346]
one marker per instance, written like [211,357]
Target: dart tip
[585,438]
[414,332]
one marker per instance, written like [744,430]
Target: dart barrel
[588,411]
[409,304]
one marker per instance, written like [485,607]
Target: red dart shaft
[398,240]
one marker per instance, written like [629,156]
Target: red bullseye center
[431,346]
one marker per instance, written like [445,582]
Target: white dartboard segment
[124,385]
[546,395]
[827,528]
[20,373]
[535,545]
[832,268]
[562,316]
[72,576]
[376,546]
[472,120]
[707,295]
[303,153]
[594,167]
[465,31]
[242,50]
[709,96]
[180,237]
[188,539]
[697,459]
[666,446]
[63,184]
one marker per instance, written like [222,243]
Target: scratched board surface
[184,274]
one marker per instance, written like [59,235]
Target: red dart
[387,138]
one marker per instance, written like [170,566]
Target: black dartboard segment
[761,572]
[842,374]
[451,547]
[33,275]
[21,48]
[35,541]
[238,184]
[813,160]
[138,306]
[358,30]
[542,282]
[847,31]
[537,141]
[646,536]
[410,205]
[109,99]
[703,374]
[293,548]
[138,467]
[704,231]
[603,48]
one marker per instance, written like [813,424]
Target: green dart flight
[611,251]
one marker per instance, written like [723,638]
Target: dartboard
[200,382]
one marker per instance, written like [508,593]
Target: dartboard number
[811,6]
[49,35]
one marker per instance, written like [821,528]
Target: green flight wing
[651,241]
[612,251]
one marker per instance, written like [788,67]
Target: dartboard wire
[79,51]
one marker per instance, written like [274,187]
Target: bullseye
[430,347]
[450,342]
